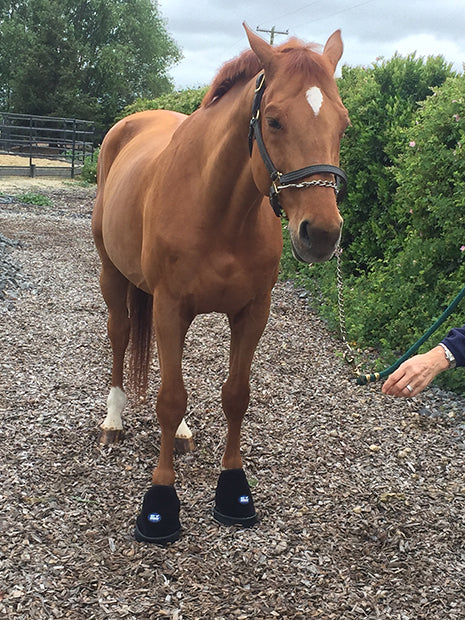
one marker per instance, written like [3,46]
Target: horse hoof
[158,521]
[183,440]
[184,445]
[233,500]
[110,436]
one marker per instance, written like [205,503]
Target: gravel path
[361,497]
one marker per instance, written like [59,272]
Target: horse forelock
[294,44]
[296,58]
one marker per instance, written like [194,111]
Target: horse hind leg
[114,288]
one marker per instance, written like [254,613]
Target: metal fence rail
[44,145]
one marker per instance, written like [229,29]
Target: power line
[329,14]
[302,8]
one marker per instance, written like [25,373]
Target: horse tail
[140,353]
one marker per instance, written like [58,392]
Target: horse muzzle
[314,245]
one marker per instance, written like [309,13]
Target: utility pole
[272,32]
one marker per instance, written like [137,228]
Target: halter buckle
[274,200]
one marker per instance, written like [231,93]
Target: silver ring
[409,387]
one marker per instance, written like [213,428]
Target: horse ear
[262,49]
[333,49]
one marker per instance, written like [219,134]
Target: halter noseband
[289,179]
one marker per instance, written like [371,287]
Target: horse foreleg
[171,406]
[246,330]
[158,521]
[234,504]
[114,289]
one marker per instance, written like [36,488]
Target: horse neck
[227,166]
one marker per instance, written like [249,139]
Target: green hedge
[89,169]
[186,101]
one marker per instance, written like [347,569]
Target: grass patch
[33,198]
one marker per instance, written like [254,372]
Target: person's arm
[455,342]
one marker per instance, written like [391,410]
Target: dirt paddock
[361,497]
[23,160]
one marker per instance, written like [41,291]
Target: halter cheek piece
[289,179]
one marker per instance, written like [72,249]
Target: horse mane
[242,68]
[299,58]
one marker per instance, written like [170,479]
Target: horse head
[298,120]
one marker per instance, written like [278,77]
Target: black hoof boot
[158,521]
[234,503]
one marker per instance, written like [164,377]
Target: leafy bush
[381,101]
[421,273]
[185,101]
[89,168]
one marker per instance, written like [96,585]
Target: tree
[85,59]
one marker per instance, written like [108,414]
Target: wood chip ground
[361,497]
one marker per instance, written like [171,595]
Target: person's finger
[394,383]
[409,390]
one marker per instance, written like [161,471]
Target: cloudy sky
[209,32]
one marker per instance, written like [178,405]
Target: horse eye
[273,123]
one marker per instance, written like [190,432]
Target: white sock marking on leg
[183,431]
[116,402]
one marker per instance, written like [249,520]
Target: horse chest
[219,282]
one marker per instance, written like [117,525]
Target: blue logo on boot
[244,499]
[154,517]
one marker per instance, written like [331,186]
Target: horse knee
[235,397]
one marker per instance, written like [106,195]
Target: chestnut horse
[183,226]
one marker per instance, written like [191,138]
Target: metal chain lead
[349,355]
[317,182]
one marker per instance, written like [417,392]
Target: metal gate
[43,145]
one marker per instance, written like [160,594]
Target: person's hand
[416,373]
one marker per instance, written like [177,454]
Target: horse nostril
[304,231]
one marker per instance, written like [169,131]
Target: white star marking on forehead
[315,99]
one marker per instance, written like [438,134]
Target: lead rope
[349,354]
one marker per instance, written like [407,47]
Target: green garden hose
[364,379]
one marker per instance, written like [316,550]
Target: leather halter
[295,178]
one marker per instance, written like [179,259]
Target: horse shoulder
[163,122]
